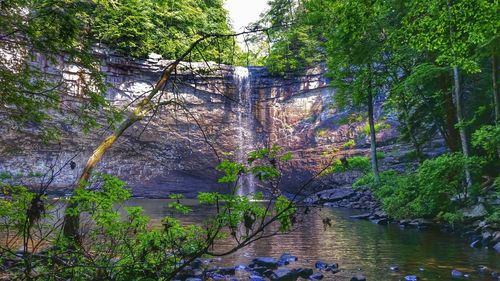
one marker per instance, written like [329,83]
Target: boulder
[475,244]
[286,259]
[382,221]
[364,216]
[304,272]
[497,247]
[284,274]
[327,267]
[474,212]
[321,265]
[358,277]
[456,274]
[317,276]
[222,270]
[411,278]
[334,195]
[256,278]
[267,262]
[394,268]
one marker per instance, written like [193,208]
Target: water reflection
[355,245]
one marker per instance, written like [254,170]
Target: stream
[357,246]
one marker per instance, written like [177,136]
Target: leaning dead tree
[144,107]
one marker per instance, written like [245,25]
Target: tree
[453,29]
[354,35]
[294,45]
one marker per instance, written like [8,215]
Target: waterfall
[245,126]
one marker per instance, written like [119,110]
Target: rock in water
[364,216]
[456,274]
[317,276]
[358,277]
[267,262]
[256,278]
[304,272]
[497,247]
[475,212]
[284,274]
[286,259]
[411,278]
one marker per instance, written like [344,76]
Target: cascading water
[245,126]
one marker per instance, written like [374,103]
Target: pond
[358,246]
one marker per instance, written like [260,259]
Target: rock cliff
[225,109]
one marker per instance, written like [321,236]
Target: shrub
[435,188]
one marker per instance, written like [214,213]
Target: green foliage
[231,171]
[354,163]
[138,28]
[349,144]
[435,189]
[285,211]
[293,45]
[488,139]
[452,29]
[121,244]
[177,205]
[451,218]
[379,126]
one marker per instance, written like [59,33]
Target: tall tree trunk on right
[460,118]
[496,95]
[373,137]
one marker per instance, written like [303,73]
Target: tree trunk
[452,135]
[410,128]
[373,137]
[460,118]
[72,221]
[496,94]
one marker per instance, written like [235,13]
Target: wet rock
[284,274]
[325,266]
[241,267]
[256,278]
[380,214]
[475,244]
[394,268]
[193,279]
[411,278]
[304,272]
[267,262]
[495,238]
[286,259]
[483,269]
[358,277]
[476,211]
[456,273]
[486,236]
[382,221]
[364,216]
[222,270]
[217,276]
[321,265]
[334,195]
[497,247]
[421,269]
[260,269]
[466,275]
[317,276]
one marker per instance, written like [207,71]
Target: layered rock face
[221,112]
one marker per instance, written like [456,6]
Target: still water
[358,246]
